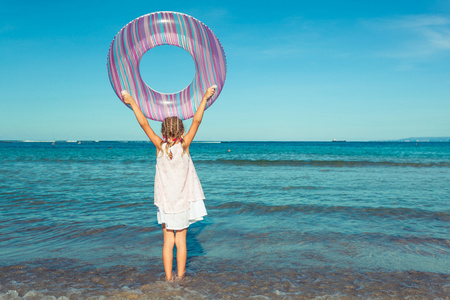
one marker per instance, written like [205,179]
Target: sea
[286,220]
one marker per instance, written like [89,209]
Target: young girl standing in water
[178,193]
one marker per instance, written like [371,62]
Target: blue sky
[297,70]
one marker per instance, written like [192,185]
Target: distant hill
[425,139]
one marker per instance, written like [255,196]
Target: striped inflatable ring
[166,28]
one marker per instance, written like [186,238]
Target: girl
[178,193]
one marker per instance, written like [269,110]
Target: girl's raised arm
[156,140]
[198,116]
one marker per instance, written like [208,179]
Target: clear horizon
[298,70]
[412,139]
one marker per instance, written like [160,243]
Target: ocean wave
[322,163]
[391,212]
[301,188]
[119,160]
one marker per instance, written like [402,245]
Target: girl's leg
[167,253]
[180,241]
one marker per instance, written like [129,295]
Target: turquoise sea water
[286,220]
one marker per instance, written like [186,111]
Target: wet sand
[65,279]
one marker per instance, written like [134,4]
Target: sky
[296,70]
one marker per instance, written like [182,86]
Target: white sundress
[178,192]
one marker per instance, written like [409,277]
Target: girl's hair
[172,130]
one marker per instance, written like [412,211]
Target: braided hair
[172,129]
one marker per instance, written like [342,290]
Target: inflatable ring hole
[167,69]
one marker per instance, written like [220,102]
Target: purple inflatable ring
[166,28]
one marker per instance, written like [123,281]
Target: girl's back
[176,181]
